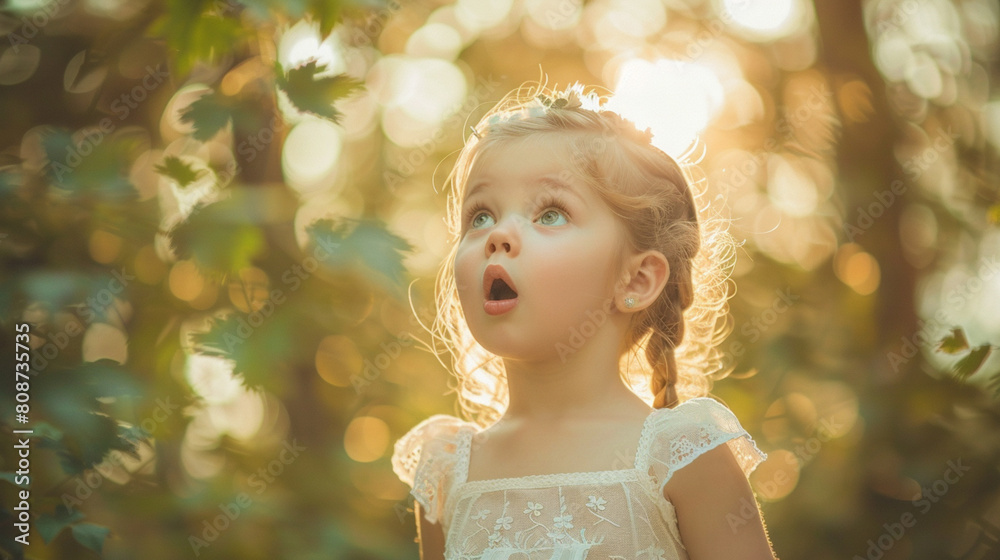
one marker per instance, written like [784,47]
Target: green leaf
[994,383]
[955,342]
[68,398]
[11,477]
[195,31]
[46,431]
[106,378]
[226,235]
[8,182]
[91,166]
[327,13]
[972,361]
[179,171]
[217,248]
[209,114]
[89,445]
[133,433]
[90,535]
[294,10]
[255,345]
[347,243]
[316,95]
[50,525]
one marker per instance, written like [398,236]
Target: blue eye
[550,204]
[553,212]
[472,214]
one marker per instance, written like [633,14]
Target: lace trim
[461,471]
[691,452]
[463,453]
[533,481]
[708,423]
[648,435]
[424,458]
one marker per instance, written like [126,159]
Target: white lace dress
[615,514]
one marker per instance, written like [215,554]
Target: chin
[497,341]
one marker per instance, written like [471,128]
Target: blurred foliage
[198,207]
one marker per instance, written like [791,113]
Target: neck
[580,383]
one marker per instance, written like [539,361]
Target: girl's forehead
[556,140]
[550,151]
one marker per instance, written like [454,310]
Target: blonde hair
[654,199]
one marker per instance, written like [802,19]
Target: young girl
[577,244]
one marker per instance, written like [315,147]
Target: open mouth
[501,291]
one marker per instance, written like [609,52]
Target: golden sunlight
[770,17]
[676,99]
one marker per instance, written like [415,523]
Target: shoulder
[677,436]
[425,459]
[437,436]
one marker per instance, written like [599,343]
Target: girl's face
[555,239]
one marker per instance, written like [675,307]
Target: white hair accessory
[540,105]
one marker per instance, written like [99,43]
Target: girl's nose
[494,247]
[503,238]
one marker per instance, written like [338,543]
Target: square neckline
[465,452]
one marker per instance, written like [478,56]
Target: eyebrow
[550,182]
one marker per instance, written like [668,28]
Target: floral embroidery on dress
[596,504]
[655,552]
[562,521]
[494,538]
[610,515]
[533,508]
[502,522]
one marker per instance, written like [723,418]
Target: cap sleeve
[679,435]
[425,458]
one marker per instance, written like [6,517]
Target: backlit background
[223,220]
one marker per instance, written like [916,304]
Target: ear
[647,274]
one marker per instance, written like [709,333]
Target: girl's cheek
[463,268]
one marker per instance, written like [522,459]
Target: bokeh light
[676,99]
[302,42]
[366,439]
[857,268]
[212,379]
[417,95]
[339,362]
[17,65]
[764,19]
[478,17]
[776,477]
[102,341]
[434,40]
[310,155]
